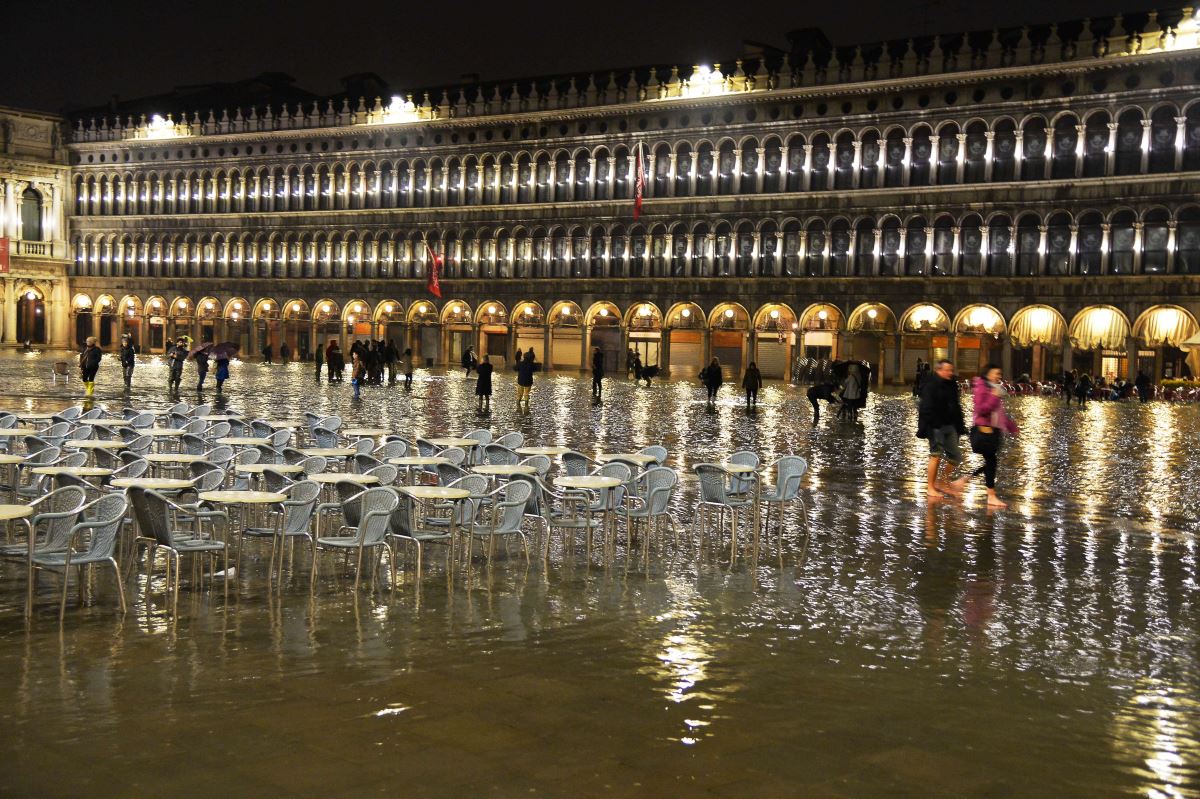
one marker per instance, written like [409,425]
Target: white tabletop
[348,477]
[244,441]
[329,452]
[737,468]
[257,468]
[451,441]
[366,432]
[75,443]
[287,424]
[8,459]
[416,460]
[78,471]
[552,452]
[504,470]
[586,481]
[218,418]
[242,497]
[10,512]
[434,492]
[37,416]
[152,483]
[162,431]
[13,432]
[104,422]
[631,457]
[172,457]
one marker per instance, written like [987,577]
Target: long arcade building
[1023,195]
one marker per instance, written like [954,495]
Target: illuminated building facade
[1024,195]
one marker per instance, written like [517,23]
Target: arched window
[915,246]
[1029,241]
[1033,149]
[817,241]
[1095,145]
[1058,245]
[1154,242]
[999,239]
[864,247]
[839,248]
[889,247]
[1191,139]
[948,155]
[843,168]
[819,168]
[893,171]
[1121,247]
[919,159]
[1129,143]
[1187,243]
[868,172]
[1004,151]
[976,154]
[1066,139]
[943,247]
[31,215]
[1089,246]
[971,250]
[1162,140]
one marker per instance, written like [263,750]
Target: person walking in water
[940,421]
[358,371]
[319,357]
[1141,384]
[989,425]
[1069,385]
[483,385]
[852,392]
[525,370]
[222,369]
[336,362]
[406,361]
[266,353]
[201,359]
[128,359]
[597,373]
[711,377]
[176,357]
[285,352]
[468,361]
[752,382]
[89,364]
[1083,388]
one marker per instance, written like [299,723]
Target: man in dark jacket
[940,421]
[1142,384]
[175,357]
[525,370]
[89,364]
[597,372]
[201,359]
[128,359]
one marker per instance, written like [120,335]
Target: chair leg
[358,569]
[62,602]
[120,584]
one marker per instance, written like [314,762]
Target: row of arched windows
[1095,144]
[1120,242]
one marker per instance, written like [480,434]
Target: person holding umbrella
[221,353]
[200,356]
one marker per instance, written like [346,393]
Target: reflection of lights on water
[1156,730]
[391,710]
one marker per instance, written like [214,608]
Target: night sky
[72,54]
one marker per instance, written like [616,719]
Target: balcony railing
[42,249]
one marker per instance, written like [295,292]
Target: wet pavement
[1052,649]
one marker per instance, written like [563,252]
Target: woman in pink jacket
[990,422]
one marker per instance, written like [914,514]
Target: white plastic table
[503,469]
[414,462]
[11,513]
[244,441]
[632,457]
[153,483]
[453,441]
[551,452]
[366,432]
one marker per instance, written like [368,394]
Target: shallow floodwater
[910,650]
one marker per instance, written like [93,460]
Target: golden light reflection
[1157,731]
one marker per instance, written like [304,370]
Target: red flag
[640,183]
[435,269]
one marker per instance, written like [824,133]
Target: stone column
[1131,357]
[1145,167]
[1110,153]
[1071,262]
[806,173]
[935,159]
[591,178]
[612,176]
[1005,356]
[960,159]
[1180,138]
[1080,148]
[1137,247]
[736,177]
[1105,247]
[10,311]
[1048,152]
[906,172]
[1171,246]
[1041,262]
[855,178]
[691,174]
[571,180]
[671,172]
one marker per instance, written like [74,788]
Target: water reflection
[1045,650]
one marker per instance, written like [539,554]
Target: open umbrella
[223,351]
[205,346]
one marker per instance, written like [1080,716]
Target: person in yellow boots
[89,364]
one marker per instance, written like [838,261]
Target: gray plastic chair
[455,455]
[325,438]
[157,529]
[743,457]
[102,519]
[540,462]
[314,464]
[364,446]
[390,449]
[386,472]
[651,506]
[374,511]
[499,455]
[294,518]
[715,497]
[656,451]
[55,513]
[511,440]
[504,513]
[789,472]
[577,464]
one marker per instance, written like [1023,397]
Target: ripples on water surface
[1049,650]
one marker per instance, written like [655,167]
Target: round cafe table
[10,461]
[153,483]
[76,471]
[103,422]
[249,499]
[282,468]
[171,461]
[162,434]
[244,441]
[737,468]
[503,469]
[366,432]
[550,452]
[13,432]
[329,452]
[37,416]
[593,482]
[91,445]
[22,513]
[453,441]
[329,478]
[638,458]
[424,494]
[413,462]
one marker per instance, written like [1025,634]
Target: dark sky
[72,53]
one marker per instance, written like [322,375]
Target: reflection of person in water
[936,566]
